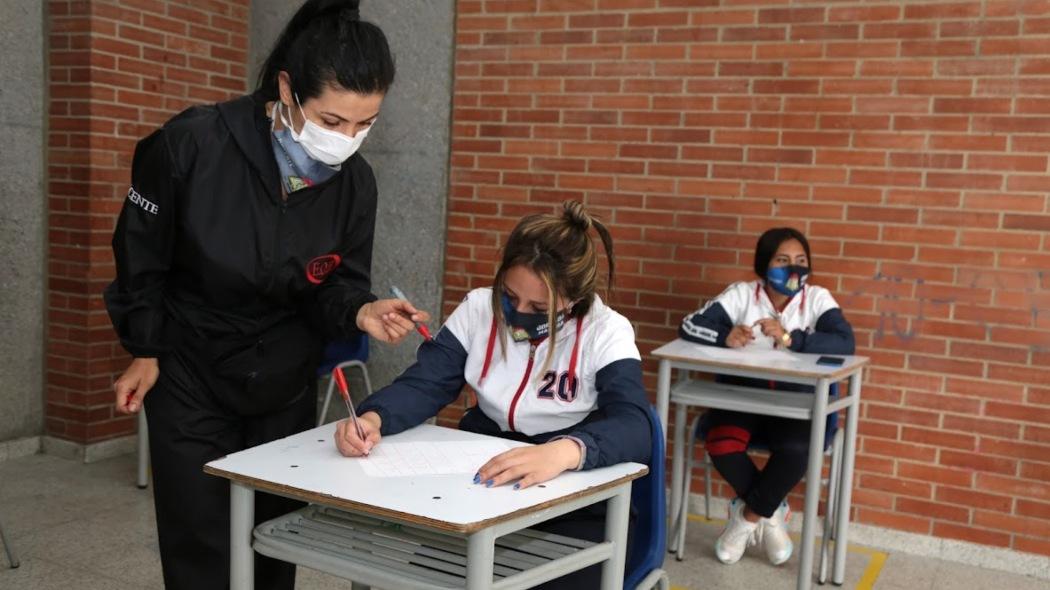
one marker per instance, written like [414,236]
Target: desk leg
[678,499]
[663,394]
[242,518]
[616,516]
[481,554]
[142,481]
[849,450]
[816,461]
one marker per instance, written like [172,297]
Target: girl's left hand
[389,320]
[772,328]
[530,465]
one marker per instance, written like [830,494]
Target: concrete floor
[88,527]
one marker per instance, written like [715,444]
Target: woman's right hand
[132,386]
[739,336]
[351,445]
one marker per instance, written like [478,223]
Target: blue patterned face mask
[298,170]
[787,279]
[527,326]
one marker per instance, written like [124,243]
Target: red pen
[420,327]
[344,390]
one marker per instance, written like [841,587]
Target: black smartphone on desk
[833,361]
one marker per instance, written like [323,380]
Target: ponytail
[327,43]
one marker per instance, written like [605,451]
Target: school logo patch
[322,266]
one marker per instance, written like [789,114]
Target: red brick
[978,462]
[968,142]
[894,520]
[1028,222]
[896,486]
[971,534]
[934,87]
[881,214]
[1012,448]
[935,510]
[1009,485]
[1032,545]
[969,497]
[1029,508]
[942,476]
[899,450]
[899,30]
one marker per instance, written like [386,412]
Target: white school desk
[356,521]
[786,367]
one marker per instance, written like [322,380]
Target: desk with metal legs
[776,366]
[422,532]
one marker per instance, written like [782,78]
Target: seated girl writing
[550,362]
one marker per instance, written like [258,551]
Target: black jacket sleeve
[142,249]
[349,287]
[618,430]
[431,383]
[710,326]
[832,335]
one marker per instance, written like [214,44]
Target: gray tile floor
[88,527]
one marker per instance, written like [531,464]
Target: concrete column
[22,218]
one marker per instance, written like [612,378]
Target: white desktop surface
[766,360]
[448,502]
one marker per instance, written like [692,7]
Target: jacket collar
[249,126]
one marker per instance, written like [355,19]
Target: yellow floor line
[876,559]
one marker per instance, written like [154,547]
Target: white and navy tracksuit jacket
[812,316]
[591,389]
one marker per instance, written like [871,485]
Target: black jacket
[213,264]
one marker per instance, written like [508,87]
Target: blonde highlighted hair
[562,253]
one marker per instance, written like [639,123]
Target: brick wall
[118,69]
[908,139]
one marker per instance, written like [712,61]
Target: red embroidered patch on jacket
[322,266]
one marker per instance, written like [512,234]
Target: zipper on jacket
[521,388]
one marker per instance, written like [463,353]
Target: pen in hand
[421,328]
[344,391]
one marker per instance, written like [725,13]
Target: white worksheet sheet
[401,459]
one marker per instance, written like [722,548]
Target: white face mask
[330,147]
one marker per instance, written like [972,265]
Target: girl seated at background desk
[551,364]
[778,310]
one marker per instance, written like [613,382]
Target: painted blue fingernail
[517,486]
[488,484]
[477,477]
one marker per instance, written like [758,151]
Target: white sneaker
[737,536]
[774,535]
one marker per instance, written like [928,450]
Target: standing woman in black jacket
[244,243]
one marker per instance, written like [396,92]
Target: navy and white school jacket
[812,316]
[591,390]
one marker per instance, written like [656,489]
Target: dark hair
[327,43]
[770,241]
[560,250]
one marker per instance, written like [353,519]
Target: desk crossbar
[381,554]
[784,404]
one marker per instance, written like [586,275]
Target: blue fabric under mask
[527,326]
[298,170]
[787,279]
